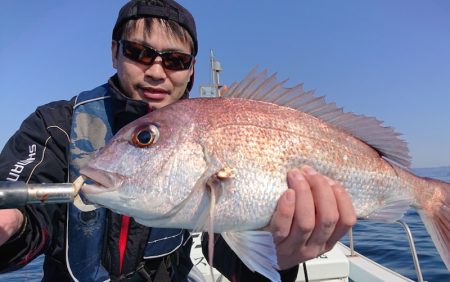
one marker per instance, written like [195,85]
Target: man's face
[152,83]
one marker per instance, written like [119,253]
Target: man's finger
[280,224]
[304,217]
[327,213]
[347,215]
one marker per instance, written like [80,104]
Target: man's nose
[156,70]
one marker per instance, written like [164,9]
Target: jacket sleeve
[36,153]
[229,264]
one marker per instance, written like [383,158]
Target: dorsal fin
[260,87]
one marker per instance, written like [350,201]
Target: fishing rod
[18,194]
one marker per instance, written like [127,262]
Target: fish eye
[145,136]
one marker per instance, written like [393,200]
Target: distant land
[435,172]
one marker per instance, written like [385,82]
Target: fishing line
[305,272]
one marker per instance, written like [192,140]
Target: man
[153,49]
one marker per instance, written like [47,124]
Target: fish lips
[103,181]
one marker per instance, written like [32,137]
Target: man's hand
[10,222]
[310,217]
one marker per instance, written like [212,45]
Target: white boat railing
[411,247]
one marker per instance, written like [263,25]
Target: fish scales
[280,139]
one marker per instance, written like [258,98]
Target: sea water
[386,244]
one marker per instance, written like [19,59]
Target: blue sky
[388,59]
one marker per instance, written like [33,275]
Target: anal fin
[391,211]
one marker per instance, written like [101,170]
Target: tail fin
[435,213]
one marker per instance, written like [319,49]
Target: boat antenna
[214,87]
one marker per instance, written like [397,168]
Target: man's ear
[114,53]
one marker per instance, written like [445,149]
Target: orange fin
[435,214]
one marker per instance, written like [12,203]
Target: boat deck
[337,265]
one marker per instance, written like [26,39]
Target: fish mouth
[99,182]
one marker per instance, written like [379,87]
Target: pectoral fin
[214,186]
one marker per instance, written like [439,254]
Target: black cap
[165,9]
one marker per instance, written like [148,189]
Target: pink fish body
[221,163]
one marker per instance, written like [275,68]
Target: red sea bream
[221,164]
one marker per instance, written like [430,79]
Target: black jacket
[39,152]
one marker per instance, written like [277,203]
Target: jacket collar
[125,109]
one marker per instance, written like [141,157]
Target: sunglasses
[142,54]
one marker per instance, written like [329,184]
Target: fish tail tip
[436,218]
